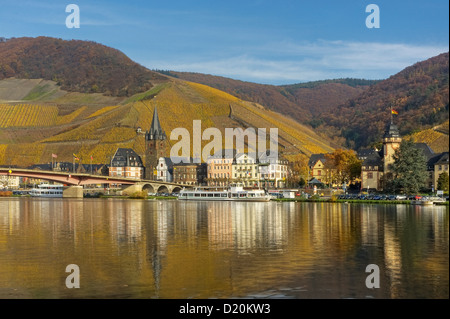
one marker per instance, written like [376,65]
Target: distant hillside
[303,102]
[31,132]
[49,105]
[77,66]
[437,137]
[419,93]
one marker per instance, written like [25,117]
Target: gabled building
[164,170]
[317,168]
[126,163]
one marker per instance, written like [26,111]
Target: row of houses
[219,170]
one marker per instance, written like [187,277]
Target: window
[370,175]
[319,172]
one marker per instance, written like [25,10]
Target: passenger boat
[233,193]
[47,190]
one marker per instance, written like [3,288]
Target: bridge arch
[148,188]
[163,189]
[176,189]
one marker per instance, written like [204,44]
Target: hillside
[303,102]
[30,133]
[75,65]
[353,113]
[41,116]
[437,137]
[419,93]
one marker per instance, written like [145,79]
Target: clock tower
[391,142]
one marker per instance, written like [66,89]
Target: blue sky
[273,42]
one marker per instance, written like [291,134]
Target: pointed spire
[156,131]
[156,127]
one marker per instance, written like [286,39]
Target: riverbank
[351,201]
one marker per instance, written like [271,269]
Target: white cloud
[284,62]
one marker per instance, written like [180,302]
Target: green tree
[442,182]
[409,168]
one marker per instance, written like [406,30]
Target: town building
[9,182]
[320,170]
[190,173]
[164,170]
[219,169]
[126,163]
[273,171]
[244,169]
[439,165]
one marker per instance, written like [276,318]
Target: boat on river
[47,190]
[235,192]
[427,200]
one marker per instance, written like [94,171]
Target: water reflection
[171,249]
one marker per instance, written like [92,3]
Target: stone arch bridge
[74,182]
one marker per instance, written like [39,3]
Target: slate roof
[314,158]
[126,157]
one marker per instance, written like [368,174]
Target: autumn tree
[345,164]
[298,167]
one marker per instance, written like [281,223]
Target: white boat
[232,193]
[422,202]
[47,190]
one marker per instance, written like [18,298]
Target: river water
[173,249]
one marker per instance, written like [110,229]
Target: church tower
[155,146]
[391,142]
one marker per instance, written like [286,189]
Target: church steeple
[155,146]
[156,132]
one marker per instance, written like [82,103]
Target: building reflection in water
[174,249]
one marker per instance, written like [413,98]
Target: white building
[164,170]
[273,171]
[9,182]
[245,170]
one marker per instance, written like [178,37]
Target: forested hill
[303,102]
[419,93]
[77,66]
[353,112]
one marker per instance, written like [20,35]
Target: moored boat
[47,190]
[422,202]
[233,193]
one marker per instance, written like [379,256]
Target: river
[171,249]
